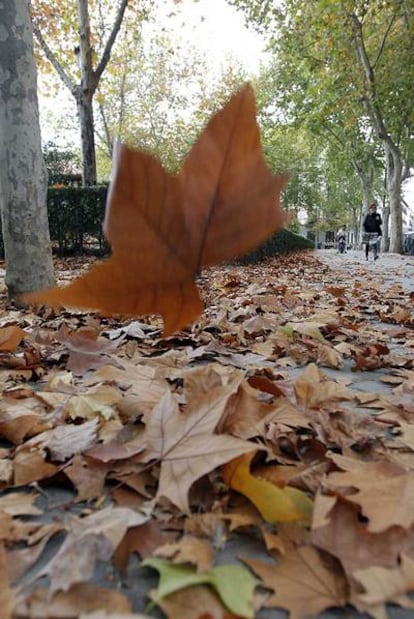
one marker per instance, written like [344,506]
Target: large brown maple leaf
[164,228]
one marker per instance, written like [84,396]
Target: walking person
[341,241]
[372,230]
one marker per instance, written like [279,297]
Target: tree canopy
[344,71]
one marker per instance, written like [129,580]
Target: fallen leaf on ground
[312,389]
[383,585]
[102,614]
[384,491]
[6,594]
[20,504]
[89,539]
[234,584]
[80,598]
[85,353]
[185,444]
[302,583]
[19,418]
[275,504]
[66,440]
[196,602]
[143,540]
[191,550]
[20,560]
[348,539]
[88,477]
[10,338]
[30,466]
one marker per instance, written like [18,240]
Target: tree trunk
[23,176]
[85,113]
[392,152]
[366,186]
[85,94]
[394,168]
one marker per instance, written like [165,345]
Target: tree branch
[65,77]
[109,44]
[106,138]
[371,100]
[382,46]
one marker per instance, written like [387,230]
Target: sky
[211,25]
[216,28]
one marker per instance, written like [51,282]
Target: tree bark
[23,176]
[392,153]
[86,121]
[394,166]
[85,94]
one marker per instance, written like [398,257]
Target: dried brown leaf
[6,594]
[384,491]
[189,549]
[302,582]
[200,217]
[79,599]
[185,442]
[10,338]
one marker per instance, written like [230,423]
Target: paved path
[389,269]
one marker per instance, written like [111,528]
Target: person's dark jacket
[372,223]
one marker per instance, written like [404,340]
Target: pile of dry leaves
[233,427]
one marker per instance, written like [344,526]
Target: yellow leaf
[275,504]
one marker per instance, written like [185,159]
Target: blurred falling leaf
[164,228]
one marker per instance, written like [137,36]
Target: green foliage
[63,165]
[234,583]
[357,107]
[159,97]
[283,242]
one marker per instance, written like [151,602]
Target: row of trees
[343,72]
[336,101]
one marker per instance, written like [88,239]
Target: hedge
[75,218]
[76,215]
[281,242]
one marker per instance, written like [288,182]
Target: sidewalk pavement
[389,269]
